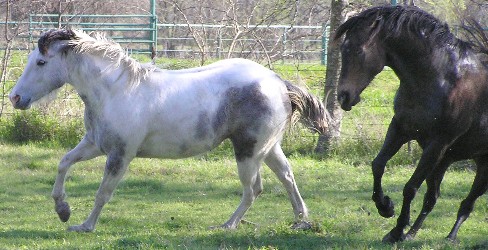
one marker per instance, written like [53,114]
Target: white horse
[134,110]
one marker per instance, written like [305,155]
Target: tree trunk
[408,2]
[332,77]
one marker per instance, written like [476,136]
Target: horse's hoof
[409,237]
[301,225]
[224,227]
[80,228]
[386,208]
[63,210]
[452,240]
[390,238]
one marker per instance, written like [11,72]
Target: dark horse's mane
[52,36]
[395,20]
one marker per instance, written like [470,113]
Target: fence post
[219,44]
[325,38]
[283,54]
[30,29]
[153,33]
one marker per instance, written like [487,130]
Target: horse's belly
[472,144]
[415,123]
[159,148]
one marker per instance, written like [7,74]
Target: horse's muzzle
[346,101]
[18,102]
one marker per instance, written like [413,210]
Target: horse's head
[45,70]
[362,56]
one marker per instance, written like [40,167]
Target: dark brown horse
[442,102]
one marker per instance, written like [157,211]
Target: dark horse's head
[367,37]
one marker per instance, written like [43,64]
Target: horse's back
[233,70]
[191,111]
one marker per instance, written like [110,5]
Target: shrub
[33,126]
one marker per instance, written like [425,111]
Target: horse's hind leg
[85,150]
[430,198]
[276,161]
[115,168]
[248,169]
[479,187]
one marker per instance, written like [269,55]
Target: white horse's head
[45,71]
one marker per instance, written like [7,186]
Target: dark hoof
[386,208]
[409,237]
[301,225]
[452,240]
[390,238]
[63,210]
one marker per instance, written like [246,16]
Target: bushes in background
[34,126]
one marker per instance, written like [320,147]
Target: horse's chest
[417,114]
[103,133]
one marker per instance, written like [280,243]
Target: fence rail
[143,34]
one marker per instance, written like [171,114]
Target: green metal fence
[143,34]
[137,32]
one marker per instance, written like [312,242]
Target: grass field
[169,204]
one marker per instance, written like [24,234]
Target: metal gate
[137,32]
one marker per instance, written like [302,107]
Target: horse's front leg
[430,158]
[115,168]
[85,150]
[393,142]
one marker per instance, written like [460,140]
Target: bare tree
[332,76]
[409,2]
[242,21]
[6,55]
[200,35]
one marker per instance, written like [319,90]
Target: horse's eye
[41,62]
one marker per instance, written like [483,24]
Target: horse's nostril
[15,99]
[343,97]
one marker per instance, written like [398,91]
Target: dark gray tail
[307,108]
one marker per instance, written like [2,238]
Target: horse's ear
[345,27]
[62,46]
[66,47]
[376,27]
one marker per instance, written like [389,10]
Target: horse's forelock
[368,16]
[52,36]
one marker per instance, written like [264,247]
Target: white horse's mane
[99,45]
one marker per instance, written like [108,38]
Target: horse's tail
[307,109]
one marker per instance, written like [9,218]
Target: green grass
[171,203]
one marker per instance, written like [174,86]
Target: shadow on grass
[278,238]
[28,234]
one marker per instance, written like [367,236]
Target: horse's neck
[96,81]
[416,65]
